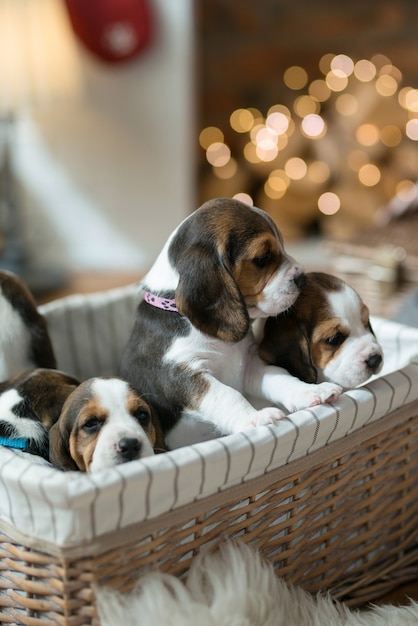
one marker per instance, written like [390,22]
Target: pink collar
[167,304]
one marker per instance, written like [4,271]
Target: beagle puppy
[192,352]
[24,340]
[325,335]
[30,403]
[104,422]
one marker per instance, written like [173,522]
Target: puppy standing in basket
[325,335]
[192,353]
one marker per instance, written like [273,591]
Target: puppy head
[232,267]
[30,403]
[103,423]
[326,335]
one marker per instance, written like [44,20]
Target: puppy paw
[328,392]
[264,417]
[317,394]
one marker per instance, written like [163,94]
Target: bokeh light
[276,184]
[267,154]
[278,122]
[305,105]
[380,61]
[336,81]
[319,90]
[313,126]
[369,175]
[386,85]
[244,197]
[295,77]
[364,70]
[408,99]
[250,153]
[325,62]
[411,129]
[265,138]
[367,134]
[279,108]
[342,65]
[296,168]
[241,120]
[218,154]
[329,203]
[209,135]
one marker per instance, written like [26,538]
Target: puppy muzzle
[129,448]
[374,362]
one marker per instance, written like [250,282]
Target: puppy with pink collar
[192,352]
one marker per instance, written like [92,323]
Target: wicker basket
[328,496]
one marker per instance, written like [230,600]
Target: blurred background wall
[102,152]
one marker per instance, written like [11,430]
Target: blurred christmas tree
[342,147]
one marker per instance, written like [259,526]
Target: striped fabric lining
[67,509]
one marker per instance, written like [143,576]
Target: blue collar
[19,444]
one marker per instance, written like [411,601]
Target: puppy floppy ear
[286,344]
[209,296]
[59,446]
[159,443]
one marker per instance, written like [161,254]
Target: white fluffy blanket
[235,587]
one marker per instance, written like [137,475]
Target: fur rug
[235,587]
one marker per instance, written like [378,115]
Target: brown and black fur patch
[14,290]
[224,262]
[40,395]
[287,337]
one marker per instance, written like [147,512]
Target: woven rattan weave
[344,520]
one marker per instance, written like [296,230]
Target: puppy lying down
[104,422]
[86,426]
[30,403]
[325,336]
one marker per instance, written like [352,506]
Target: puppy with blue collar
[30,403]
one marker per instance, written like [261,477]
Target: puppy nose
[300,280]
[129,448]
[374,361]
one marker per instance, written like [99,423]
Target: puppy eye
[142,416]
[262,260]
[336,340]
[92,425]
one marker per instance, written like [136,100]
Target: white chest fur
[225,361]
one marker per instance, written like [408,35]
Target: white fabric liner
[69,508]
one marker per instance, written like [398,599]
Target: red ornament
[114,30]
